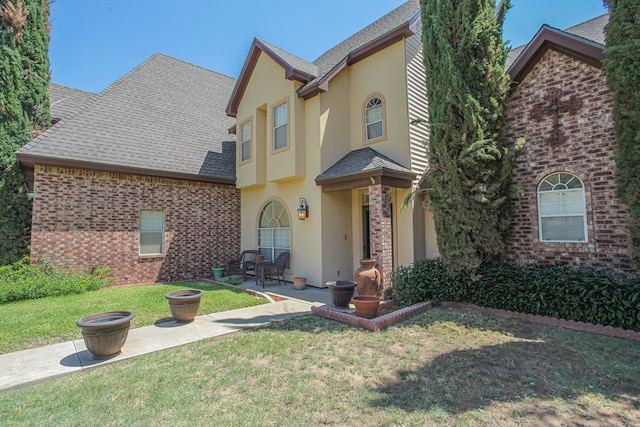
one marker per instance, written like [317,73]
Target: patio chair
[244,264]
[272,270]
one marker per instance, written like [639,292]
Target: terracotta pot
[368,278]
[366,306]
[105,333]
[259,258]
[341,292]
[299,282]
[184,304]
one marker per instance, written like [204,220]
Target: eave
[381,176]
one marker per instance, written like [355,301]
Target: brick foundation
[84,217]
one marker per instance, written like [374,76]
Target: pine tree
[469,167]
[24,112]
[622,68]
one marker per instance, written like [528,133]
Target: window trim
[161,232]
[541,216]
[284,102]
[383,120]
[273,248]
[248,122]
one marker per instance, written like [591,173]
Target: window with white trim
[245,141]
[274,235]
[561,209]
[280,126]
[151,232]
[373,119]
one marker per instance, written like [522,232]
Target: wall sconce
[303,210]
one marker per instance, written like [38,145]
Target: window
[245,141]
[151,232]
[561,209]
[280,126]
[273,231]
[373,119]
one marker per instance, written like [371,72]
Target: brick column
[380,229]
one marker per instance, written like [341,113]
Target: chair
[272,270]
[246,262]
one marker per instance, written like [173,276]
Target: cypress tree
[622,68]
[469,166]
[24,112]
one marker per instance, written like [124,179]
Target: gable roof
[584,41]
[65,101]
[387,30]
[164,118]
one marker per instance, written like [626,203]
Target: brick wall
[586,149]
[381,233]
[83,217]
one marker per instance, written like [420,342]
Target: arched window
[273,230]
[561,209]
[373,119]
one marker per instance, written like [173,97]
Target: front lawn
[33,323]
[442,367]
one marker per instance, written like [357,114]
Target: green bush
[587,295]
[22,280]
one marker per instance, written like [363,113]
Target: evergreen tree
[622,68]
[469,167]
[24,112]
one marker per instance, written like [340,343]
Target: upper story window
[561,209]
[151,232]
[280,126]
[373,119]
[245,141]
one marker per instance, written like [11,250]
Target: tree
[622,68]
[24,112]
[470,168]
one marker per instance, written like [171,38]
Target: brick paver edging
[371,324]
[551,321]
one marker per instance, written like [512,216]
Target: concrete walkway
[39,364]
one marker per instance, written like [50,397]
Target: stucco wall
[83,217]
[587,151]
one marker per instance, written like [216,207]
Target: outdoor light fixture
[303,210]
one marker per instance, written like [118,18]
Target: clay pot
[105,333]
[299,282]
[366,306]
[341,292]
[184,304]
[368,278]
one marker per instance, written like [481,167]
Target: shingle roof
[295,62]
[66,101]
[361,161]
[166,117]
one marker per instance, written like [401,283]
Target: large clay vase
[368,278]
[105,333]
[184,304]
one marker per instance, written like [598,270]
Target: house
[566,209]
[173,168]
[138,178]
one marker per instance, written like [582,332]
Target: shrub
[22,280]
[587,295]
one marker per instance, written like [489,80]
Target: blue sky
[94,42]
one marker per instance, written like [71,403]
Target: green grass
[32,323]
[442,367]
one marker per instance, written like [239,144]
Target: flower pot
[366,306]
[105,333]
[218,272]
[184,304]
[299,282]
[259,258]
[368,278]
[341,292]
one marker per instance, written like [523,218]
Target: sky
[95,42]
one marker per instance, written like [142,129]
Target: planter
[341,292]
[259,258]
[218,272]
[299,282]
[368,278]
[184,304]
[105,333]
[366,306]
